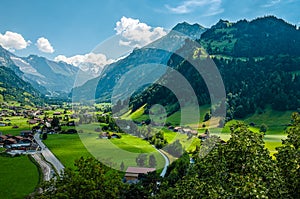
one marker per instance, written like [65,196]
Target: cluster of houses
[8,111]
[189,132]
[18,144]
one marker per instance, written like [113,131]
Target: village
[41,122]
[19,138]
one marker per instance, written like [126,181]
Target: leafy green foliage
[240,168]
[158,140]
[263,128]
[90,179]
[288,157]
[177,170]
[55,122]
[45,136]
[260,37]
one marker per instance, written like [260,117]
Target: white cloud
[91,58]
[271,3]
[211,7]
[137,34]
[44,45]
[13,41]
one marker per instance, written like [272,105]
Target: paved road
[48,155]
[45,167]
[167,162]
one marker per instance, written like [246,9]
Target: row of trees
[141,160]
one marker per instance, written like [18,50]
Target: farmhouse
[104,135]
[203,136]
[17,144]
[32,121]
[2,138]
[177,129]
[57,113]
[133,174]
[26,134]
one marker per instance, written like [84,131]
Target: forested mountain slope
[259,62]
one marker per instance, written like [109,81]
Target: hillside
[257,38]
[157,52]
[12,88]
[264,71]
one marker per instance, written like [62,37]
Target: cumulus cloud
[13,41]
[91,58]
[212,7]
[137,34]
[44,45]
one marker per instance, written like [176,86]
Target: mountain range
[42,73]
[259,62]
[158,52]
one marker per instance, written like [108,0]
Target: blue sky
[74,27]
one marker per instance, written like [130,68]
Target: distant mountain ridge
[49,77]
[157,52]
[194,31]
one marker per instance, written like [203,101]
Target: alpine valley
[129,130]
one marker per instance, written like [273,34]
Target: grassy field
[187,144]
[273,141]
[137,115]
[19,177]
[175,118]
[67,148]
[276,121]
[21,122]
[113,152]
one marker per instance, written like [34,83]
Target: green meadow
[112,152]
[276,121]
[189,120]
[21,122]
[67,148]
[19,177]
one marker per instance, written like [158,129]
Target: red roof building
[133,173]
